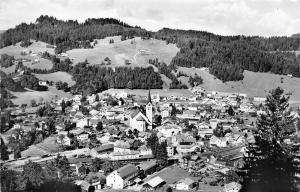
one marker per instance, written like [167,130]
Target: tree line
[93,79]
[228,56]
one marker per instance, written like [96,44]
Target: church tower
[149,108]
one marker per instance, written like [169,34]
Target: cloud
[226,17]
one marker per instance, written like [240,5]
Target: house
[83,122]
[165,113]
[154,183]
[213,123]
[139,121]
[122,177]
[42,83]
[185,184]
[148,167]
[83,137]
[219,142]
[232,187]
[63,140]
[169,130]
[108,148]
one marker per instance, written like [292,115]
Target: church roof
[134,113]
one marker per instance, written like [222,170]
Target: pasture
[57,76]
[136,51]
[35,48]
[27,96]
[253,84]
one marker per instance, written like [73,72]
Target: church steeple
[149,108]
[149,97]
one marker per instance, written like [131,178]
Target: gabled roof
[147,165]
[134,113]
[104,147]
[127,171]
[187,181]
[154,182]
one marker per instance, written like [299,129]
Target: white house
[220,142]
[82,122]
[122,177]
[185,184]
[42,83]
[232,187]
[165,113]
[169,130]
[83,137]
[213,123]
[63,140]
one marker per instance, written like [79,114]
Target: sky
[224,17]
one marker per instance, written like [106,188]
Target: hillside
[32,58]
[136,51]
[253,84]
[226,56]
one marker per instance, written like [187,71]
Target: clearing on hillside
[47,96]
[135,51]
[32,55]
[57,76]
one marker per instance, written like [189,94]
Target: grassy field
[26,97]
[253,84]
[136,50]
[35,47]
[57,76]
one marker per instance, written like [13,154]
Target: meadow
[136,51]
[36,47]
[57,76]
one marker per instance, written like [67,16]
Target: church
[140,121]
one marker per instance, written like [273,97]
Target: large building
[122,177]
[140,121]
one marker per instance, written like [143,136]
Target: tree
[152,142]
[219,131]
[4,151]
[173,111]
[99,126]
[270,162]
[33,103]
[17,152]
[33,175]
[96,164]
[107,167]
[97,98]
[162,154]
[62,165]
[230,111]
[8,180]
[50,126]
[63,106]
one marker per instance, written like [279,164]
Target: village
[176,143]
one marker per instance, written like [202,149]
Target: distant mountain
[226,56]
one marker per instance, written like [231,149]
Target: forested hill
[226,56]
[69,34]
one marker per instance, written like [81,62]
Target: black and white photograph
[150,95]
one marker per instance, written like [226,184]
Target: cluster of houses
[206,134]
